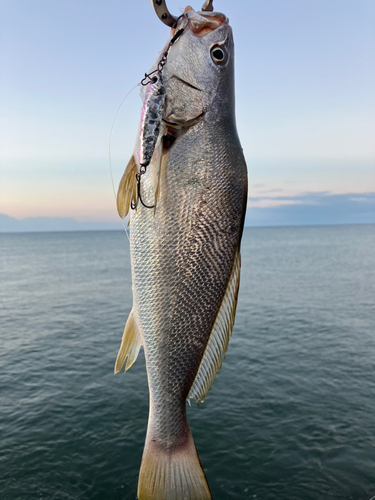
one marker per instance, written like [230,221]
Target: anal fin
[219,338]
[130,345]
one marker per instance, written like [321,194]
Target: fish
[185,241]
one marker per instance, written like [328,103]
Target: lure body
[151,117]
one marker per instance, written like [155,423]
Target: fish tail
[172,474]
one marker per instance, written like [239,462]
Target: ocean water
[291,415]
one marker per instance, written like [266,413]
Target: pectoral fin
[218,342]
[127,190]
[130,345]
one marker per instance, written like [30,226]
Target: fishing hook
[161,10]
[138,176]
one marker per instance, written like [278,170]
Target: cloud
[270,202]
[312,209]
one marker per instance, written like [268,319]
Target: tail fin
[172,475]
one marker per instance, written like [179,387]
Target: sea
[291,415]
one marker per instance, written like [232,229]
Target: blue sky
[305,79]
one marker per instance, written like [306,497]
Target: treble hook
[161,10]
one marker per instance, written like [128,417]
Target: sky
[305,104]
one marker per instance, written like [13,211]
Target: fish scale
[178,266]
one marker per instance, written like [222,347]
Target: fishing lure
[152,113]
[151,117]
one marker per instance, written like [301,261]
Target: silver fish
[185,254]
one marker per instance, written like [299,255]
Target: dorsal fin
[130,345]
[218,342]
[127,190]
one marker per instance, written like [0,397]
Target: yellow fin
[127,190]
[174,474]
[130,345]
[218,342]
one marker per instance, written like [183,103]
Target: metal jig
[152,78]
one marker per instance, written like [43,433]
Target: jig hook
[138,176]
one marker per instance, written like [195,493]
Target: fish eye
[218,55]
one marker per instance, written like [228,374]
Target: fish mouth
[203,23]
[188,84]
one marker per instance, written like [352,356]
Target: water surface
[290,416]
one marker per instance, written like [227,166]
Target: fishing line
[109,150]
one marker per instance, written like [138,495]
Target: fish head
[199,72]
